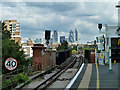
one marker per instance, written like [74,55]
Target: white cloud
[35,18]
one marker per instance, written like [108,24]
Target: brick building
[44,61]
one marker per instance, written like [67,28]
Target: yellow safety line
[97,77]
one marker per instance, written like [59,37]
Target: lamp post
[100,45]
[118,6]
[107,45]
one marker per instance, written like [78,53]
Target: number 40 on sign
[10,63]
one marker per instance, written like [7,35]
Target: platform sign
[10,63]
[100,57]
[100,43]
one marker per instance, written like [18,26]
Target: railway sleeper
[64,79]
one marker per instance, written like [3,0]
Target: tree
[74,48]
[63,46]
[11,49]
[5,33]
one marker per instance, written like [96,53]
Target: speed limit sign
[10,63]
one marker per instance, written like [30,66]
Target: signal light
[47,34]
[100,26]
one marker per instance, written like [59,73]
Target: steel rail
[50,80]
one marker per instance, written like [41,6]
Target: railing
[18,76]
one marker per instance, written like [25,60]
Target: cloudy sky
[36,17]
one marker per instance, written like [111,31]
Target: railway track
[64,75]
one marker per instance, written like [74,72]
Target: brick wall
[46,61]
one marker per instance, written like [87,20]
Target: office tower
[76,35]
[55,36]
[71,36]
[62,38]
[14,27]
[67,39]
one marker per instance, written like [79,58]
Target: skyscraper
[76,35]
[71,36]
[55,36]
[14,27]
[62,38]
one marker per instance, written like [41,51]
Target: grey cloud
[37,17]
[13,4]
[58,7]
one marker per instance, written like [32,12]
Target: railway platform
[97,77]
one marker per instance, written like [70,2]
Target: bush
[22,77]
[74,51]
[16,80]
[6,83]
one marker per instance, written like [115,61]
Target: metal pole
[109,57]
[95,56]
[110,63]
[106,43]
[47,44]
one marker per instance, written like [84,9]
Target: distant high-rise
[26,46]
[55,36]
[71,36]
[14,27]
[66,39]
[76,35]
[38,41]
[62,38]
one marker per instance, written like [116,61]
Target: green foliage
[22,77]
[6,83]
[29,61]
[54,68]
[74,51]
[16,80]
[12,49]
[6,33]
[63,46]
[87,49]
[74,48]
